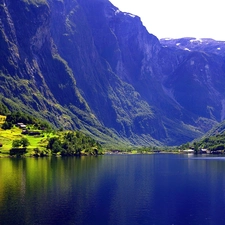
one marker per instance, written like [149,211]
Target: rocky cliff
[84,64]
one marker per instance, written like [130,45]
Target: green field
[8,136]
[24,135]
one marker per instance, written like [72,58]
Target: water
[113,189]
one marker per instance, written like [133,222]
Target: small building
[204,151]
[188,151]
[25,132]
[21,125]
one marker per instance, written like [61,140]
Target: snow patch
[218,49]
[187,49]
[129,14]
[117,11]
[196,40]
[177,44]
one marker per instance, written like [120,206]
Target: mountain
[207,45]
[84,64]
[198,81]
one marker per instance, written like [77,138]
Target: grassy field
[24,135]
[7,137]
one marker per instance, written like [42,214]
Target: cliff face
[33,74]
[197,83]
[83,64]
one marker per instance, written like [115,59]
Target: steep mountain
[34,77]
[84,64]
[198,82]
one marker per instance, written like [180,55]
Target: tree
[196,147]
[73,143]
[54,145]
[3,109]
[16,144]
[57,146]
[7,125]
[24,142]
[51,142]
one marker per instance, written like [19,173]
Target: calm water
[113,189]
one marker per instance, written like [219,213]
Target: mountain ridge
[87,65]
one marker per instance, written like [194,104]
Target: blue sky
[175,19]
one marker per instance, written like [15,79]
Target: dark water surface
[113,189]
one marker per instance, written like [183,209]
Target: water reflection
[115,189]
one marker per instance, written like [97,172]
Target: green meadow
[8,136]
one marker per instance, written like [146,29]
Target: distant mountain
[196,44]
[84,64]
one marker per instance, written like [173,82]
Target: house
[204,151]
[21,125]
[24,131]
[188,151]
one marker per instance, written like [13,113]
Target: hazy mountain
[196,44]
[84,64]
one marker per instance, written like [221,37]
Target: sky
[176,18]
